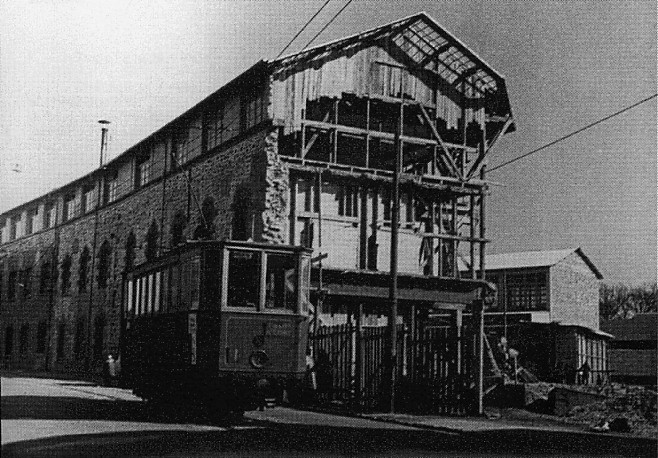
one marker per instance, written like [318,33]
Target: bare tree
[621,301]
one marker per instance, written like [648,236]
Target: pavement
[118,408]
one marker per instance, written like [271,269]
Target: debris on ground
[626,409]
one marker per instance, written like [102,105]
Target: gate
[433,368]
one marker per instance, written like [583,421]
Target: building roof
[643,326]
[526,259]
[418,39]
[423,44]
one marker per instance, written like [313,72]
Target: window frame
[260,306]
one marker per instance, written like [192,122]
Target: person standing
[109,371]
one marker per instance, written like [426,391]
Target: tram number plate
[279,329]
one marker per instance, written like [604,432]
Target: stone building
[298,150]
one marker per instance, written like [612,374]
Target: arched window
[131,242]
[42,331]
[99,329]
[61,338]
[177,228]
[24,338]
[45,282]
[206,228]
[104,264]
[241,203]
[83,267]
[9,340]
[79,337]
[152,241]
[66,274]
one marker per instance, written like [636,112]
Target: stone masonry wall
[27,252]
[236,170]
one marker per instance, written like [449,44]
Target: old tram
[218,325]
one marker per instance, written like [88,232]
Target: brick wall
[574,293]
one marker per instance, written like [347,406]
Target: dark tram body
[217,324]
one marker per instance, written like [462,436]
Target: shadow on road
[73,408]
[241,439]
[70,408]
[287,440]
[303,440]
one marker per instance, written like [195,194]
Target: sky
[66,64]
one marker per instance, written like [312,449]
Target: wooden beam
[466,73]
[483,152]
[459,238]
[384,135]
[449,162]
[444,47]
[443,183]
[311,142]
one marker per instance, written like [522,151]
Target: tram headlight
[258,359]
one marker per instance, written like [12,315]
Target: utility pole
[480,305]
[90,346]
[392,348]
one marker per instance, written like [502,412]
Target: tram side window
[156,292]
[243,278]
[281,282]
[138,297]
[146,308]
[189,284]
[165,289]
[129,303]
[173,291]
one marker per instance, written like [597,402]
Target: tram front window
[243,278]
[281,282]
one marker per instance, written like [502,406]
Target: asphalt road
[48,417]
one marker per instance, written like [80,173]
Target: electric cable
[573,133]
[302,29]
[327,24]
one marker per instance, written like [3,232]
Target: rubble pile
[629,409]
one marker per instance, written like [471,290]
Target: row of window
[522,291]
[170,289]
[217,126]
[24,339]
[177,287]
[34,221]
[20,282]
[24,336]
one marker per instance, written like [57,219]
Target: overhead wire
[564,137]
[327,24]
[302,29]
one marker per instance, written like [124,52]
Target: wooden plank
[448,184]
[311,142]
[461,238]
[384,135]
